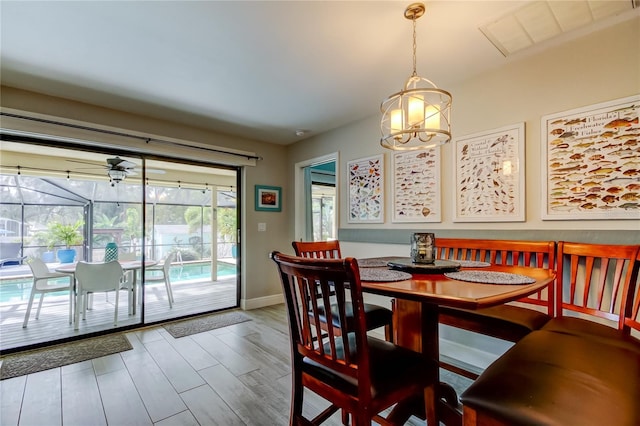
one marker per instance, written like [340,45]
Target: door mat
[210,322]
[28,362]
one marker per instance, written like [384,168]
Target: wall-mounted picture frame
[489,174]
[268,198]
[416,186]
[591,162]
[366,190]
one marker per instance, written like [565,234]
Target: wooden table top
[441,290]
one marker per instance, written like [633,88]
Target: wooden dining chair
[357,373]
[376,315]
[630,322]
[534,254]
[591,281]
[510,322]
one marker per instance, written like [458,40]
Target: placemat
[471,263]
[377,262]
[381,275]
[490,277]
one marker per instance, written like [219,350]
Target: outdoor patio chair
[160,273]
[10,254]
[42,286]
[99,277]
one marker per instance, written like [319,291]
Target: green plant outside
[67,234]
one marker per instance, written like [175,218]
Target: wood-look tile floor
[236,375]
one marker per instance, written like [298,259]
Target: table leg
[416,328]
[431,351]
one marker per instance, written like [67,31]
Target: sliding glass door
[105,206]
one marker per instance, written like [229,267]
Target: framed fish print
[591,162]
[366,190]
[489,175]
[416,186]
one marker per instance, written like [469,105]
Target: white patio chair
[41,285]
[98,277]
[163,276]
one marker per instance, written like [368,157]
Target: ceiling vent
[539,21]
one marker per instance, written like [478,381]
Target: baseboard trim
[261,302]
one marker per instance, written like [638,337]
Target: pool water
[18,290]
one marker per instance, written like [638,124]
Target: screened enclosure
[69,201]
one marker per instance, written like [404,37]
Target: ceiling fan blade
[86,162]
[118,162]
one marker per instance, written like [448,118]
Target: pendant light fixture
[418,116]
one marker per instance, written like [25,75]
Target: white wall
[260,283]
[598,67]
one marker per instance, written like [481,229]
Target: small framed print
[268,198]
[416,186]
[366,190]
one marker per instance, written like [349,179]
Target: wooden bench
[574,370]
[509,322]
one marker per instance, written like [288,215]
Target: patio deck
[191,297]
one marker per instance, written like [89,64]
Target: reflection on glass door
[191,229]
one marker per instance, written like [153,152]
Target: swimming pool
[18,290]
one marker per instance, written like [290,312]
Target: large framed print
[591,162]
[366,190]
[416,186]
[489,175]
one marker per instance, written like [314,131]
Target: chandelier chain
[414,47]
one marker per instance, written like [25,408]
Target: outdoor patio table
[127,265]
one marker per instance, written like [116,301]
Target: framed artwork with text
[489,175]
[591,162]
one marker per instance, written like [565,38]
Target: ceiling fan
[118,169]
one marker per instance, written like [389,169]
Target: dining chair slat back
[377,316]
[631,320]
[512,321]
[533,254]
[357,373]
[591,278]
[318,249]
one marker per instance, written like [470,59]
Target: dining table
[418,294]
[127,265]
